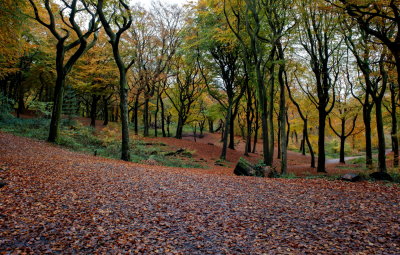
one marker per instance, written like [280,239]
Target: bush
[6,107]
[42,109]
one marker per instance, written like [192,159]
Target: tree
[96,76]
[123,23]
[362,52]
[187,89]
[305,118]
[345,113]
[244,20]
[380,19]
[392,109]
[12,25]
[319,37]
[66,44]
[156,36]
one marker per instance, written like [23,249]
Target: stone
[351,177]
[244,168]
[381,176]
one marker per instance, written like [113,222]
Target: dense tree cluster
[278,70]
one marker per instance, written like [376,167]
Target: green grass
[107,144]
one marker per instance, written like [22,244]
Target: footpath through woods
[58,201]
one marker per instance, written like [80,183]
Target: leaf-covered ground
[58,201]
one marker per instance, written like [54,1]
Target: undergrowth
[105,143]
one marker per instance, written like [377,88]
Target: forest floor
[207,150]
[57,201]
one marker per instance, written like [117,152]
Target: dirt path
[61,202]
[337,160]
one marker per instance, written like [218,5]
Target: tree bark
[146,117]
[105,110]
[393,113]
[162,117]
[93,110]
[57,105]
[226,132]
[321,139]
[381,137]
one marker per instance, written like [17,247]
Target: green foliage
[42,109]
[34,128]
[5,107]
[70,105]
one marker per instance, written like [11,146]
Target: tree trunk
[155,117]
[168,123]
[321,139]
[162,117]
[124,116]
[395,139]
[368,142]
[135,114]
[342,143]
[57,107]
[270,120]
[308,143]
[256,129]
[179,128]
[381,137]
[282,114]
[232,132]
[226,132]
[146,123]
[264,115]
[93,110]
[302,144]
[105,110]
[249,120]
[210,125]
[279,138]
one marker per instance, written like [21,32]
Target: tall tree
[69,49]
[319,37]
[123,22]
[361,50]
[380,19]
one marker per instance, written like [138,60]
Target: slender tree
[319,37]
[123,22]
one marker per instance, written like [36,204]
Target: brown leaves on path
[58,201]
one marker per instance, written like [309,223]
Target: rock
[245,168]
[2,184]
[381,176]
[351,177]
